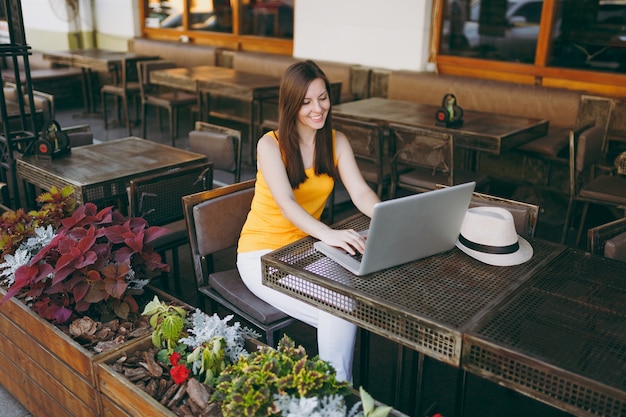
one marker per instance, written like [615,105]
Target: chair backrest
[79,135]
[585,150]
[525,215]
[130,73]
[422,148]
[608,240]
[221,145]
[214,221]
[596,111]
[335,92]
[158,198]
[143,73]
[366,138]
[616,130]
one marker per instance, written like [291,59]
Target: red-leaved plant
[96,262]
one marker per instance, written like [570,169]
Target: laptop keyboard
[358,256]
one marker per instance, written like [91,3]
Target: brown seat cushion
[230,286]
[553,144]
[607,188]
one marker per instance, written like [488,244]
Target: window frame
[539,73]
[232,41]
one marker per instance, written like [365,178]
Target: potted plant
[66,272]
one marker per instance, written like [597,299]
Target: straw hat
[488,234]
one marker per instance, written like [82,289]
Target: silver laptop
[408,228]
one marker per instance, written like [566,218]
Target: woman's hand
[348,239]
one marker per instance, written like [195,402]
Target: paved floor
[483,399]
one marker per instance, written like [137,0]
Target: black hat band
[495,250]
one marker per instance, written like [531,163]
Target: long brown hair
[293,88]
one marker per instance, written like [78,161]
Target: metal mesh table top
[571,316]
[445,292]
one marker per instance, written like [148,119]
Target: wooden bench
[182,54]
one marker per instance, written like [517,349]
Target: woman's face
[315,105]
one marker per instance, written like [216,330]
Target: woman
[296,170]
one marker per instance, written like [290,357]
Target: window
[583,34]
[590,35]
[223,22]
[497,30]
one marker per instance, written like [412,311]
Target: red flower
[174,358]
[180,373]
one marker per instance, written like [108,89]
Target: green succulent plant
[167,321]
[205,344]
[247,388]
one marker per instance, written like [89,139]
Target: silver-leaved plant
[22,256]
[205,328]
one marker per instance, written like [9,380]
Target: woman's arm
[360,192]
[271,165]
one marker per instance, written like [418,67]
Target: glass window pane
[164,14]
[271,18]
[211,15]
[493,29]
[590,34]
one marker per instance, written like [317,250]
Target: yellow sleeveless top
[266,227]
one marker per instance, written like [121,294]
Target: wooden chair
[367,140]
[585,186]
[127,89]
[160,97]
[43,101]
[525,215]
[214,220]
[608,240]
[221,145]
[158,199]
[423,159]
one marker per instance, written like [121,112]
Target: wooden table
[485,132]
[210,81]
[102,172]
[90,60]
[425,305]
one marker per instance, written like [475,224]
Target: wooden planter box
[46,370]
[122,398]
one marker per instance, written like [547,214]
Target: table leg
[459,408]
[88,98]
[204,106]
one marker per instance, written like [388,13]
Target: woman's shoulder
[340,139]
[269,137]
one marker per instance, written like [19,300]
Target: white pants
[335,336]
